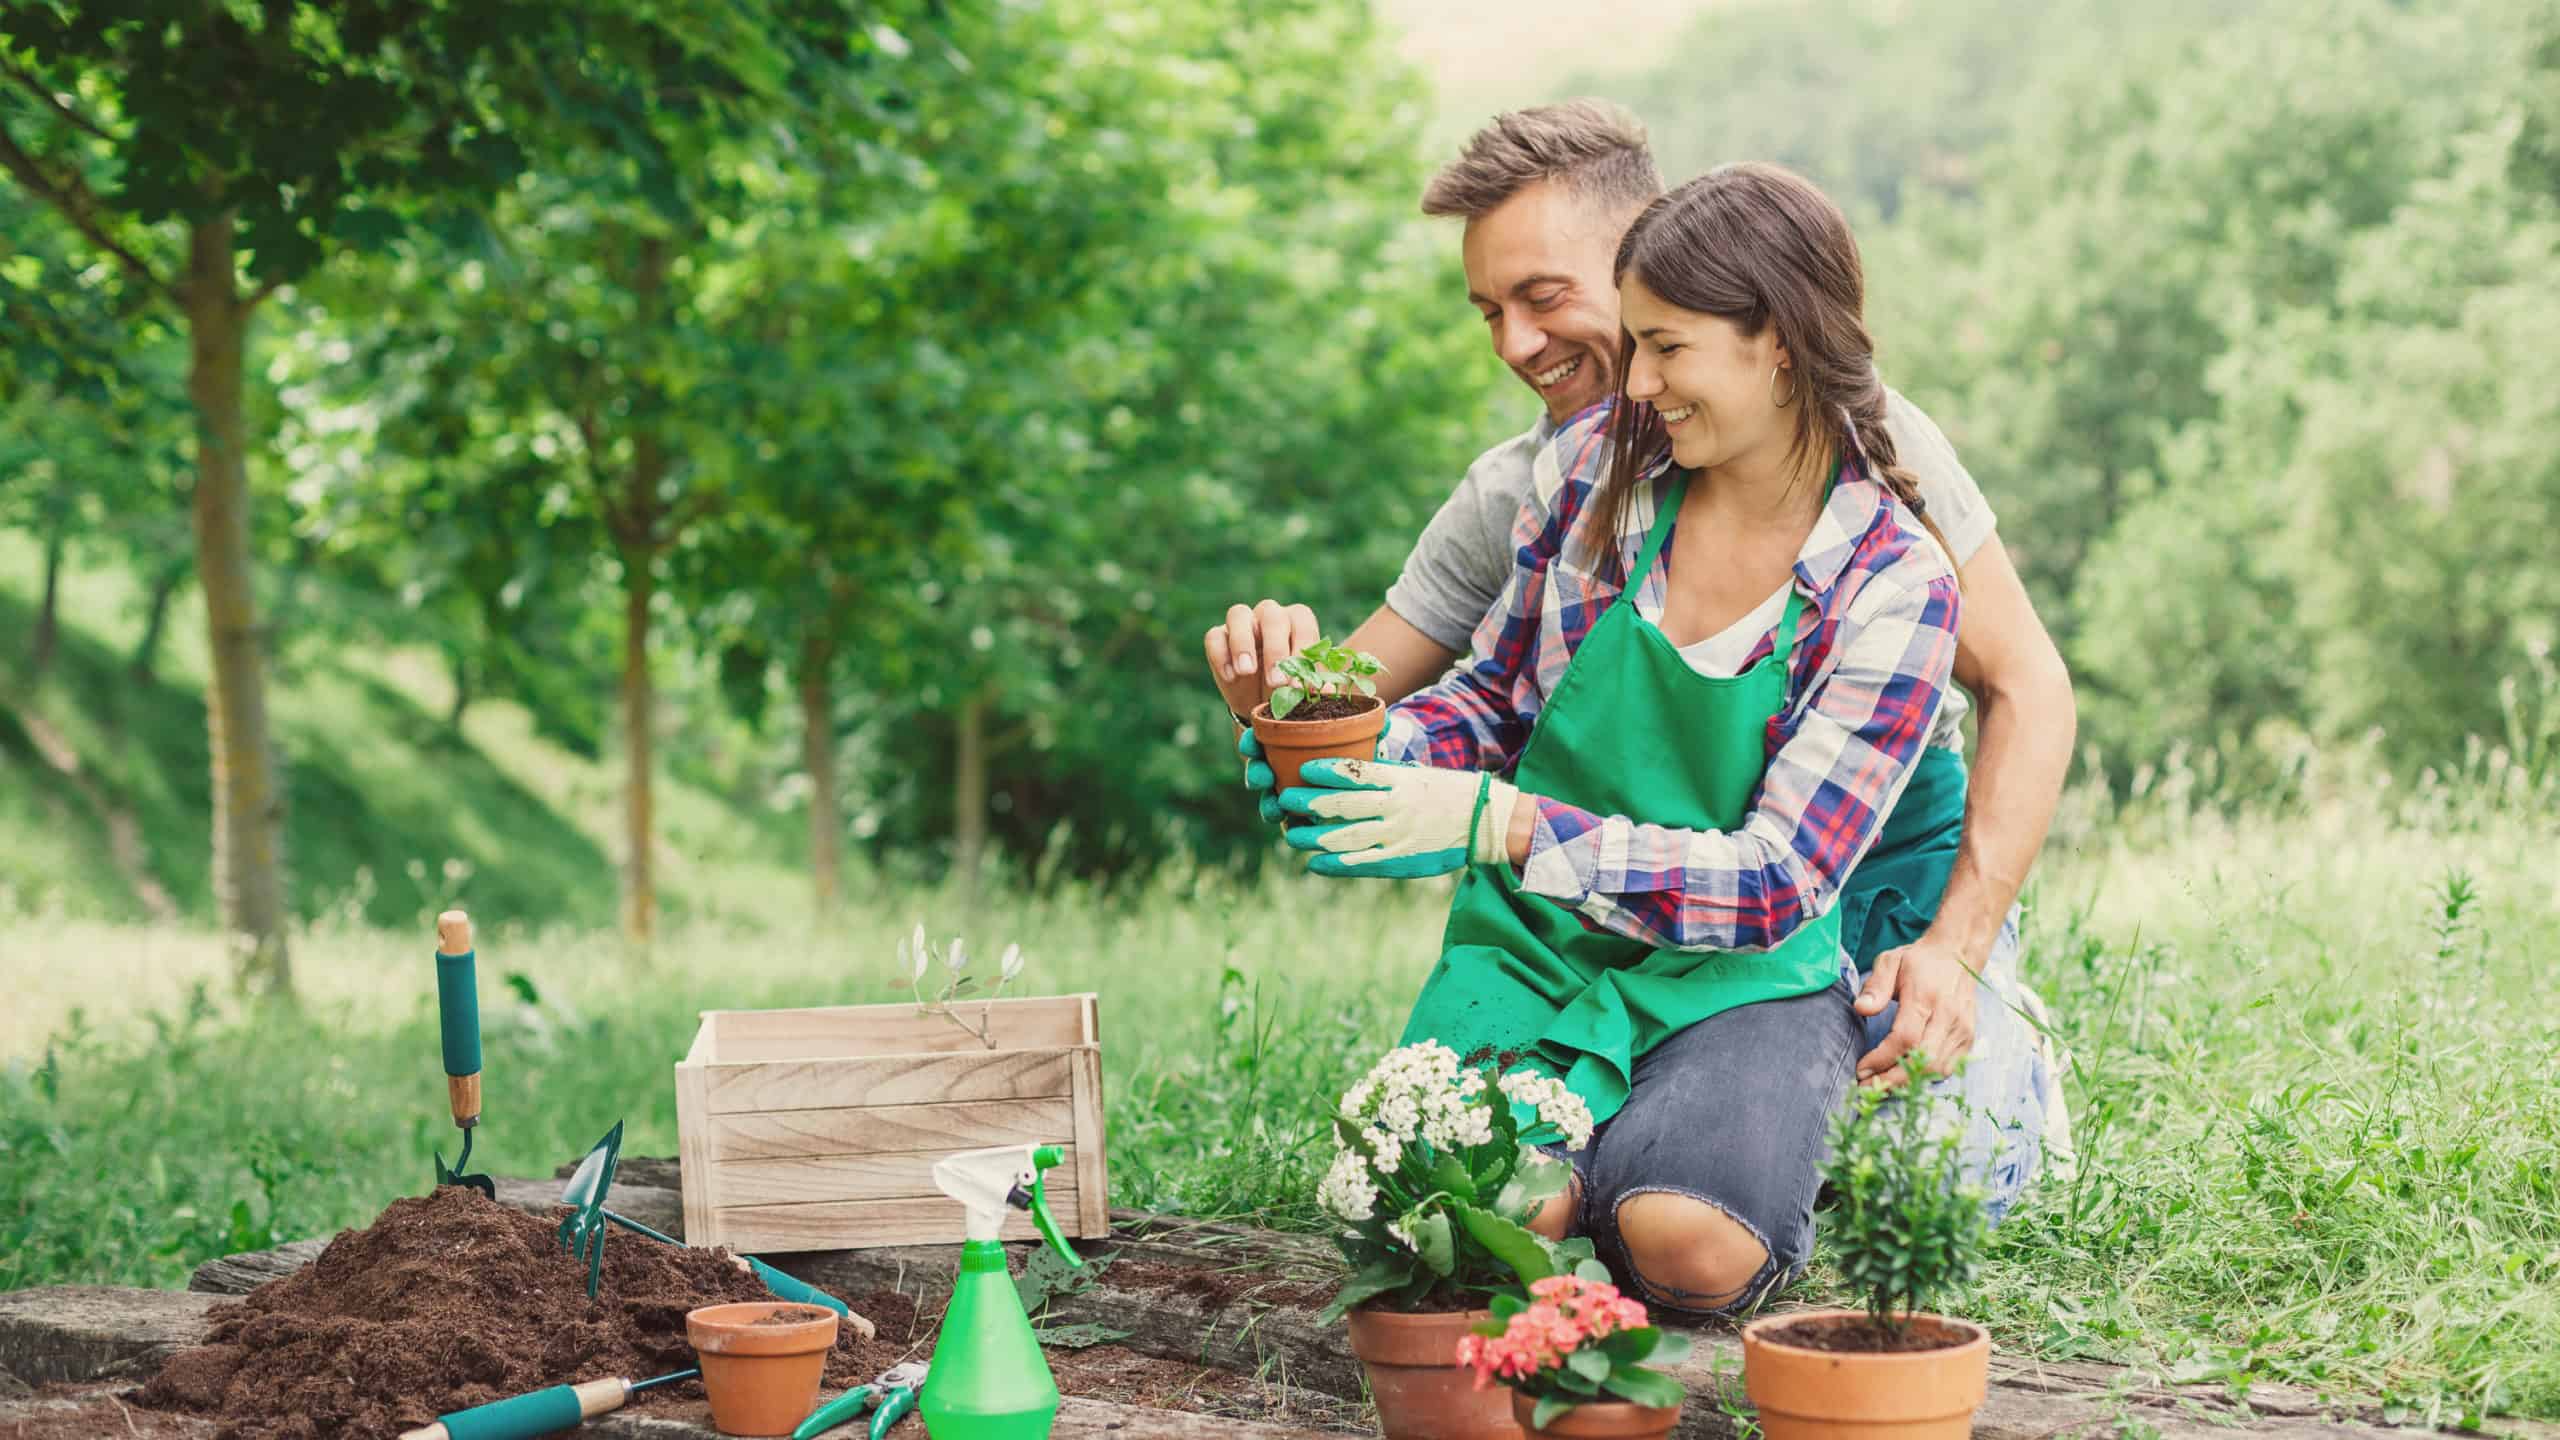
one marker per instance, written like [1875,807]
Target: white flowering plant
[917,958]
[1437,1174]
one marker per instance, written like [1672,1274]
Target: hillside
[103,788]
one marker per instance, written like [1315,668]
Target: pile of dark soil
[449,1301]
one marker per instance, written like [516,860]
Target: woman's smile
[1673,415]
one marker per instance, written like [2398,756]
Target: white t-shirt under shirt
[1458,568]
[1721,655]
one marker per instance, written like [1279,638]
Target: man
[1544,195]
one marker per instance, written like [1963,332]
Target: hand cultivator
[583,1232]
[458,1011]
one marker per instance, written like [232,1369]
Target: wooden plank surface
[902,1176]
[872,1129]
[96,1332]
[1078,1419]
[908,1080]
[1043,1022]
[1245,1301]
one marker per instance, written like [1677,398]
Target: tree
[182,138]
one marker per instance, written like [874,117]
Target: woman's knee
[1688,1253]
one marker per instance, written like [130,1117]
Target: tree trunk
[639,890]
[818,757]
[969,795]
[248,794]
[40,655]
[164,588]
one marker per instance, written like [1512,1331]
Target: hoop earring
[1773,389]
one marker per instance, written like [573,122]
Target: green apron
[1630,730]
[1894,893]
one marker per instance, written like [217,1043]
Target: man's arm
[1414,660]
[2026,726]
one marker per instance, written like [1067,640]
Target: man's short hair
[1596,148]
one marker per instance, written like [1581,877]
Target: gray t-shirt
[1465,557]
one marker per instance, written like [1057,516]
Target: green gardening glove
[1258,776]
[1398,822]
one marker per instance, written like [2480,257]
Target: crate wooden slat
[779,1229]
[970,1125]
[817,1129]
[906,1175]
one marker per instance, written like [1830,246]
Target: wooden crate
[818,1129]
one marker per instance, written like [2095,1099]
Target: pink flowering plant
[1574,1341]
[1436,1175]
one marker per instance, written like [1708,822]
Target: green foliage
[1425,1213]
[1323,668]
[1905,1232]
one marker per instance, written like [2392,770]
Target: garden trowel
[784,1287]
[583,1230]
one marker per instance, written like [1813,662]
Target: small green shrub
[1907,1230]
[1324,668]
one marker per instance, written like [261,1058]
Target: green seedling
[1324,668]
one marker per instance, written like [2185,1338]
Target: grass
[2312,1040]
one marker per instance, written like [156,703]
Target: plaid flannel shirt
[1875,650]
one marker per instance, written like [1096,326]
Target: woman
[1697,755]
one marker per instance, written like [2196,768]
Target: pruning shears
[894,1392]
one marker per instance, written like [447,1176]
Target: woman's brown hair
[1758,245]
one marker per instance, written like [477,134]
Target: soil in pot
[1862,1335]
[1350,734]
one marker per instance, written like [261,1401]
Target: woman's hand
[1398,822]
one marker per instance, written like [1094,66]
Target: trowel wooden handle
[458,1012]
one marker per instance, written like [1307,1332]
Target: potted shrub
[1436,1176]
[1907,1233]
[1327,705]
[1574,1358]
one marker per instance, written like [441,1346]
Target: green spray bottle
[988,1379]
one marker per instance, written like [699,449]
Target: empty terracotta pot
[762,1362]
[1288,744]
[1414,1375]
[1604,1420]
[1809,1394]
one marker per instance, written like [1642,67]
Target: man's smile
[1550,379]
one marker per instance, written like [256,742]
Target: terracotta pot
[763,1378]
[1601,1420]
[1288,744]
[1414,1376]
[1806,1394]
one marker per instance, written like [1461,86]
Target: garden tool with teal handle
[784,1287]
[539,1412]
[583,1229]
[458,1016]
[894,1392]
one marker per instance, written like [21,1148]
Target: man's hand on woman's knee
[1939,1006]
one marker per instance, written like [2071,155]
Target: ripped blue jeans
[1733,1112]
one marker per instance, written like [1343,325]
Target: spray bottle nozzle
[987,1181]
